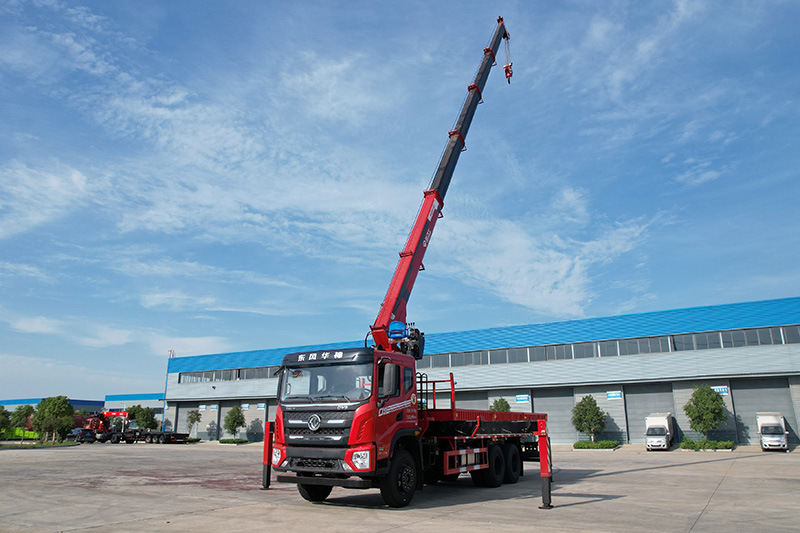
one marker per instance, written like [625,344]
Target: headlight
[276,457]
[361,460]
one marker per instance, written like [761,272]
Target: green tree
[587,417]
[705,409]
[193,418]
[134,412]
[500,404]
[234,420]
[54,416]
[144,417]
[5,420]
[20,416]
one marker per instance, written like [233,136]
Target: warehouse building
[91,406]
[632,365]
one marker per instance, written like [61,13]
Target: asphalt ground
[211,487]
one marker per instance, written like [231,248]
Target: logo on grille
[314,422]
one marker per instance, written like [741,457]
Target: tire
[314,493]
[397,488]
[162,439]
[493,476]
[513,463]
[115,439]
[149,439]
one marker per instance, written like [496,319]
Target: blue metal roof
[134,397]
[35,401]
[694,319]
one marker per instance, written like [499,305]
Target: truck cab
[340,415]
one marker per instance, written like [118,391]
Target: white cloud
[21,270]
[175,301]
[27,376]
[184,346]
[104,336]
[698,173]
[38,324]
[339,89]
[550,275]
[32,197]
[165,267]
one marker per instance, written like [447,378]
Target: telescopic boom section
[410,263]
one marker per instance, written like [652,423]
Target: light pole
[170,355]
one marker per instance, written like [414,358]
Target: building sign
[245,406]
[523,398]
[614,395]
[201,408]
[722,389]
[262,406]
[214,407]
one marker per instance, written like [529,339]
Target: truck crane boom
[389,332]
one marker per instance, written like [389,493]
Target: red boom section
[407,269]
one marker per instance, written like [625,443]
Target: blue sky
[210,177]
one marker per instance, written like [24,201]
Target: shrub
[500,404]
[697,445]
[232,441]
[597,445]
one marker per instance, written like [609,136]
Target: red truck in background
[105,431]
[365,418]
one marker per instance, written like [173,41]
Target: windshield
[328,383]
[656,431]
[771,430]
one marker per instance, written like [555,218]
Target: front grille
[334,428]
[319,432]
[316,464]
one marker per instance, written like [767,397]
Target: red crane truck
[104,429]
[365,418]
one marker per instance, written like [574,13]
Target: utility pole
[170,355]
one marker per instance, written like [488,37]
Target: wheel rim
[405,479]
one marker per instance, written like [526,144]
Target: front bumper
[657,445]
[324,466]
[774,445]
[348,482]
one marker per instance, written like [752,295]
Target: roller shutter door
[182,426]
[557,404]
[751,396]
[254,420]
[472,400]
[642,399]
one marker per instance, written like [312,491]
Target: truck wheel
[497,467]
[513,463]
[115,439]
[314,493]
[495,473]
[162,439]
[149,439]
[398,487]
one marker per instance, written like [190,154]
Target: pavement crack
[711,497]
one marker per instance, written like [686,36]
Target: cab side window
[408,379]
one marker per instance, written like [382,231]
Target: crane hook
[509,72]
